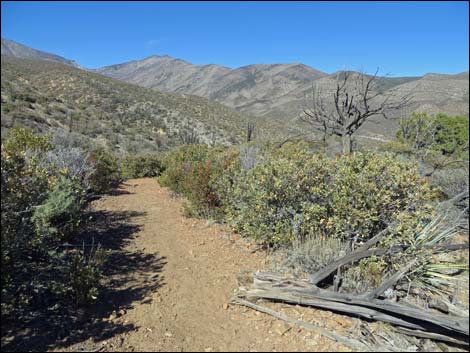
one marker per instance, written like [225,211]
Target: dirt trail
[198,263]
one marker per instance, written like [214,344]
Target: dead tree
[356,99]
[250,129]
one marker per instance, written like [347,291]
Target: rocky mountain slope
[274,95]
[46,95]
[281,90]
[17,50]
[254,89]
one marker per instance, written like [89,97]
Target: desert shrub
[141,166]
[396,146]
[308,256]
[84,275]
[107,172]
[178,163]
[296,194]
[193,171]
[68,155]
[452,135]
[59,215]
[446,134]
[41,208]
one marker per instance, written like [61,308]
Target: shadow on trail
[129,278]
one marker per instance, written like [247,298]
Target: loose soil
[170,280]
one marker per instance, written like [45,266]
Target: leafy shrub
[41,207]
[69,157]
[446,134]
[452,134]
[295,195]
[140,166]
[84,275]
[193,171]
[178,163]
[59,215]
[107,172]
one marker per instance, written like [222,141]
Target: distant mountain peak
[12,48]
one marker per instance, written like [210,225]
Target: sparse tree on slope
[356,99]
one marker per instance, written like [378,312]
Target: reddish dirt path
[199,265]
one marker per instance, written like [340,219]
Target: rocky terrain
[272,94]
[282,90]
[17,50]
[45,95]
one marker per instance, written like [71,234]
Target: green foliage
[84,275]
[59,215]
[446,134]
[141,166]
[452,134]
[278,196]
[295,195]
[41,207]
[193,171]
[107,172]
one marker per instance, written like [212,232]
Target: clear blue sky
[402,38]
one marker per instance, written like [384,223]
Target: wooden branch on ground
[391,281]
[354,344]
[357,255]
[274,287]
[326,271]
[430,335]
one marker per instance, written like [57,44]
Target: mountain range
[271,92]
[280,90]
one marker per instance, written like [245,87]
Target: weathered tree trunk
[347,143]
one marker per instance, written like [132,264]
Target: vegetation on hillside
[313,208]
[127,118]
[47,182]
[90,132]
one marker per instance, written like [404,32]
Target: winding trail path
[177,300]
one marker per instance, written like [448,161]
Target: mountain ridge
[18,50]
[278,93]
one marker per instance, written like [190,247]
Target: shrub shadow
[129,278]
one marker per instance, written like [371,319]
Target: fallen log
[355,256]
[354,344]
[431,335]
[268,287]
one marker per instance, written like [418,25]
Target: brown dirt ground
[170,290]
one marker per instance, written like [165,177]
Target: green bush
[193,171]
[295,195]
[59,215]
[41,207]
[141,166]
[107,172]
[84,275]
[178,163]
[446,134]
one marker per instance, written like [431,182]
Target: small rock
[311,342]
[225,306]
[168,334]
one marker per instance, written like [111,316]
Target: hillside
[45,95]
[272,94]
[253,89]
[17,50]
[279,91]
